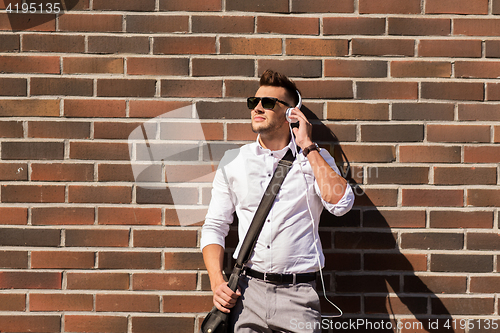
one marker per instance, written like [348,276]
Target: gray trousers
[269,308]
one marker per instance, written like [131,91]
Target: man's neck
[274,143]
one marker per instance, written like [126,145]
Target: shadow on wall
[21,16]
[366,274]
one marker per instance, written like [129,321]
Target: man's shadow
[365,273]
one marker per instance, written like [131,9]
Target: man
[277,291]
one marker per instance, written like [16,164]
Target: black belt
[281,278]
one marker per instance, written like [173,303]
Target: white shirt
[288,242]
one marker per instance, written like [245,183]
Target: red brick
[432,241]
[398,133]
[165,109]
[9,43]
[476,27]
[223,24]
[389,6]
[357,111]
[58,129]
[468,91]
[94,108]
[126,88]
[62,172]
[162,324]
[129,216]
[222,67]
[383,47]
[355,68]
[486,112]
[164,281]
[394,218]
[387,90]
[397,175]
[30,237]
[91,22]
[430,154]
[482,154]
[419,26]
[493,92]
[163,195]
[184,45]
[29,64]
[95,323]
[250,46]
[367,153]
[492,48]
[129,260]
[98,151]
[93,65]
[30,323]
[292,67]
[120,5]
[123,172]
[13,171]
[157,66]
[463,306]
[29,107]
[317,47]
[433,198]
[436,284]
[456,7]
[184,260]
[165,238]
[423,111]
[187,303]
[53,43]
[13,87]
[326,88]
[420,69]
[62,215]
[13,259]
[13,215]
[30,280]
[474,69]
[458,133]
[99,194]
[194,216]
[12,302]
[369,197]
[395,262]
[27,22]
[191,5]
[484,284]
[128,303]
[465,175]
[98,281]
[288,25]
[461,219]
[280,6]
[61,302]
[322,6]
[496,7]
[190,173]
[32,193]
[99,238]
[483,197]
[450,48]
[353,26]
[61,86]
[191,88]
[364,240]
[118,44]
[461,263]
[62,259]
[396,305]
[120,130]
[483,241]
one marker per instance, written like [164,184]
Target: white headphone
[289,110]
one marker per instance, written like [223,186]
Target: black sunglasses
[267,102]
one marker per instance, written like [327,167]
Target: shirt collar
[277,153]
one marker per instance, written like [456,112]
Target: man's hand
[224,297]
[303,133]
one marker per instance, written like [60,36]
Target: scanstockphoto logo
[171,158]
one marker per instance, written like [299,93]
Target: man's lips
[259,118]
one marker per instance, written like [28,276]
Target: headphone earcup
[288,113]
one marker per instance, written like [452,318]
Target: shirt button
[269,175]
[268,247]
[268,220]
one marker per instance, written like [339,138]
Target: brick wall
[403,92]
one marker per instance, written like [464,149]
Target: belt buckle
[265,277]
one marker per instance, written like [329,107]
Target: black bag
[217,321]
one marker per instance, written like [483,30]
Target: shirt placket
[270,159]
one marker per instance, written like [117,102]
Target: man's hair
[275,79]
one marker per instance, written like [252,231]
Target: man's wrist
[312,147]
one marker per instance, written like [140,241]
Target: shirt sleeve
[347,201]
[220,212]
